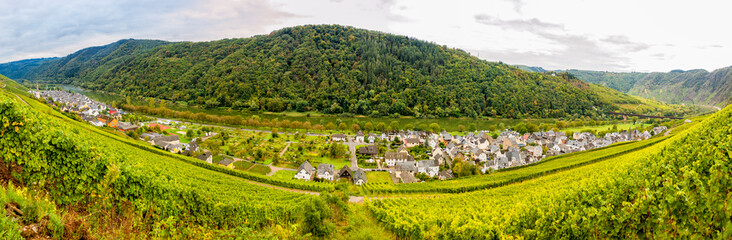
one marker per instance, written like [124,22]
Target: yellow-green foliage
[678,188]
[69,160]
[512,175]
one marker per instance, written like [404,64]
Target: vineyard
[513,175]
[77,165]
[676,188]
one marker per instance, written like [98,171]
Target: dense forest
[325,68]
[691,87]
[17,69]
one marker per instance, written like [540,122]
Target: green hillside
[16,70]
[126,186]
[691,87]
[325,68]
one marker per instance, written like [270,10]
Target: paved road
[352,149]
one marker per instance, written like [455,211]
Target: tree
[342,126]
[355,127]
[434,127]
[461,128]
[129,102]
[409,126]
[330,126]
[151,103]
[189,133]
[380,126]
[368,126]
[162,103]
[316,212]
[301,106]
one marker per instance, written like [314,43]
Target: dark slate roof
[308,168]
[325,168]
[226,161]
[359,174]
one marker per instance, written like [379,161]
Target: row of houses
[508,149]
[326,171]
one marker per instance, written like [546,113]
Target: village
[406,156]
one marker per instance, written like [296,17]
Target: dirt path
[16,95]
[275,169]
[285,150]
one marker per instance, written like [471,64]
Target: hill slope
[16,70]
[691,87]
[325,68]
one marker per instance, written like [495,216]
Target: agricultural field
[144,173]
[561,203]
[315,151]
[378,177]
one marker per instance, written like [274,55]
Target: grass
[621,126]
[378,177]
[261,169]
[284,174]
[242,165]
[337,163]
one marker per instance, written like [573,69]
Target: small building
[227,162]
[446,174]
[206,157]
[338,137]
[429,167]
[305,171]
[411,142]
[359,136]
[368,150]
[325,171]
[359,177]
[125,126]
[345,173]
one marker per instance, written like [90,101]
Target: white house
[325,171]
[338,137]
[429,167]
[305,171]
[392,158]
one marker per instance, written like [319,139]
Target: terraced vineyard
[677,188]
[512,175]
[75,164]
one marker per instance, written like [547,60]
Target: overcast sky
[618,35]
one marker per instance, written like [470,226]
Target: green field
[621,127]
[284,174]
[378,177]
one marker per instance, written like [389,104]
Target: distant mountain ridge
[325,68]
[16,69]
[697,86]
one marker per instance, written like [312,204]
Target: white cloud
[622,35]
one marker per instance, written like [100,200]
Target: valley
[212,128]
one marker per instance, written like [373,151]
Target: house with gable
[305,171]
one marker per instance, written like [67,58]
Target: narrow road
[352,149]
[16,95]
[285,150]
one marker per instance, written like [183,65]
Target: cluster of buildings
[507,149]
[327,172]
[92,111]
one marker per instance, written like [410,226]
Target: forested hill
[691,87]
[16,70]
[326,68]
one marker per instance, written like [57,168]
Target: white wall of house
[302,174]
